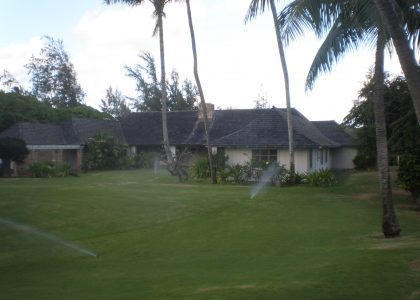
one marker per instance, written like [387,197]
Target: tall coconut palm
[159,6]
[256,7]
[405,54]
[348,23]
[201,93]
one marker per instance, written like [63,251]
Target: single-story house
[248,134]
[243,134]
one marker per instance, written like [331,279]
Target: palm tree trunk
[390,224]
[200,91]
[169,157]
[287,90]
[406,55]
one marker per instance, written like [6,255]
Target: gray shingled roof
[334,131]
[78,131]
[145,128]
[229,128]
[245,128]
[73,132]
[36,133]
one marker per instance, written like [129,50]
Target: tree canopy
[402,129]
[114,104]
[15,107]
[53,76]
[180,96]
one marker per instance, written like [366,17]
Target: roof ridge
[305,121]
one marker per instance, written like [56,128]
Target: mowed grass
[156,238]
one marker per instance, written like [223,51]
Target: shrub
[364,162]
[409,175]
[11,149]
[201,169]
[104,152]
[64,170]
[322,177]
[42,169]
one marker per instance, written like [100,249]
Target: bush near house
[11,149]
[322,177]
[47,169]
[105,153]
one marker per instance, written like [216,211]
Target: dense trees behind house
[402,130]
[181,96]
[55,95]
[16,108]
[53,76]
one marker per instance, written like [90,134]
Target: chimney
[210,111]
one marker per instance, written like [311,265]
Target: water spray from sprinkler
[47,236]
[265,178]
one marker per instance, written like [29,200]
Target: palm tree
[159,6]
[256,7]
[200,91]
[348,23]
[405,54]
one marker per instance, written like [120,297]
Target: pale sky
[237,62]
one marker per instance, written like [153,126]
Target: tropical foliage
[181,96]
[104,152]
[16,108]
[402,129]
[114,104]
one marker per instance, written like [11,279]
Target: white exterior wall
[301,159]
[243,156]
[342,158]
[238,156]
[331,159]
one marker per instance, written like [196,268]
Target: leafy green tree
[9,83]
[402,129]
[82,111]
[180,97]
[147,84]
[53,76]
[256,7]
[11,150]
[104,152]
[114,104]
[15,107]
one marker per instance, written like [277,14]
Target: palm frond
[315,15]
[255,8]
[338,41]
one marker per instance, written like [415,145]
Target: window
[326,155]
[261,157]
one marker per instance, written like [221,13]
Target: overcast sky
[237,62]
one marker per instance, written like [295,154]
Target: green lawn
[159,239]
